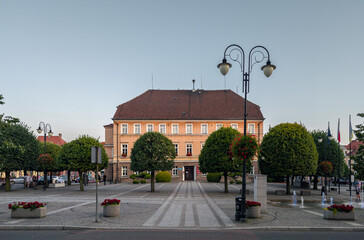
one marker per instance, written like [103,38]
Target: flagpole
[350,156]
[338,152]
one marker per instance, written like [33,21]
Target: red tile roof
[355,144]
[53,139]
[187,105]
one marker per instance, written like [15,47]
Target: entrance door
[189,173]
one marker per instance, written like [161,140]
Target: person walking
[357,190]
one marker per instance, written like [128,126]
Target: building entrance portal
[190,173]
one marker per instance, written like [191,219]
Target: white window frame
[189,148]
[173,130]
[149,124]
[202,145]
[124,149]
[123,125]
[135,128]
[207,128]
[234,126]
[189,125]
[219,125]
[161,128]
[176,148]
[249,126]
[124,171]
[175,171]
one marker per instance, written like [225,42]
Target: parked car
[61,179]
[41,180]
[342,180]
[18,180]
[3,183]
[90,180]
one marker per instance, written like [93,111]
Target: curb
[267,228]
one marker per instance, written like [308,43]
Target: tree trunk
[226,182]
[69,178]
[45,179]
[288,186]
[81,180]
[152,181]
[7,181]
[315,182]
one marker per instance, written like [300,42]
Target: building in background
[186,117]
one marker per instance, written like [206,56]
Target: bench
[280,192]
[305,193]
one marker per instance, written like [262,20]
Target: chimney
[60,135]
[193,83]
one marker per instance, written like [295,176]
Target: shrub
[232,181]
[142,175]
[133,176]
[147,176]
[143,181]
[238,182]
[213,177]
[135,182]
[163,176]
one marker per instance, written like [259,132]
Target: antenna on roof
[201,82]
[152,81]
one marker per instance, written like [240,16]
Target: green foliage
[135,181]
[329,151]
[147,176]
[133,176]
[288,150]
[143,181]
[232,181]
[152,152]
[77,154]
[238,181]
[163,176]
[359,157]
[244,147]
[213,177]
[53,150]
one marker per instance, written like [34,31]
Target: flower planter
[112,211]
[253,212]
[331,215]
[27,213]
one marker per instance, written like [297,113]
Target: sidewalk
[188,205]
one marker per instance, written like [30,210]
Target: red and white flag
[338,131]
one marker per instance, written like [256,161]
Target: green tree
[288,150]
[78,155]
[359,157]
[19,148]
[152,152]
[328,151]
[53,150]
[215,156]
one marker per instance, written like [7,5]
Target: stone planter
[112,211]
[330,215]
[253,212]
[27,213]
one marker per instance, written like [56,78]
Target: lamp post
[329,137]
[237,54]
[46,128]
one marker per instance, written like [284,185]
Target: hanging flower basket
[244,147]
[325,167]
[45,160]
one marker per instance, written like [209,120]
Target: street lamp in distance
[46,128]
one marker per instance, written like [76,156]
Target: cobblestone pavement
[187,205]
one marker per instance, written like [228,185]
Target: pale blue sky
[70,63]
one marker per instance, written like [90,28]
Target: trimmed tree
[152,152]
[78,155]
[215,156]
[288,150]
[50,165]
[19,148]
[359,157]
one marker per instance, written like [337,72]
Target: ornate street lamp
[47,129]
[236,54]
[330,137]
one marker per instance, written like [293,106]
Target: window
[162,128]
[124,150]
[137,128]
[189,149]
[124,128]
[218,126]
[251,128]
[202,145]
[188,128]
[204,129]
[176,148]
[175,171]
[124,171]
[149,127]
[234,126]
[174,128]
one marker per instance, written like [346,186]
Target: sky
[71,63]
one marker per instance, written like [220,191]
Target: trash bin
[238,206]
